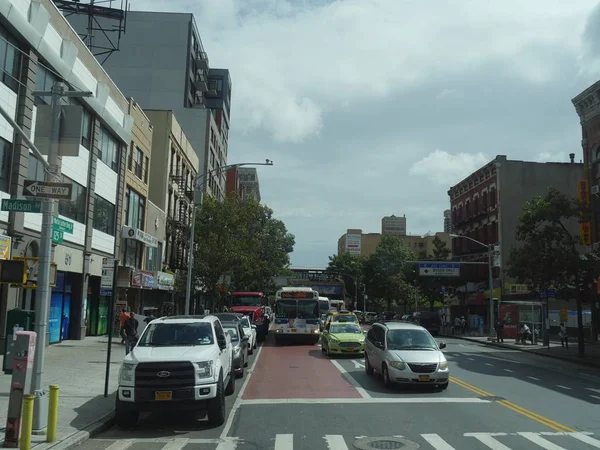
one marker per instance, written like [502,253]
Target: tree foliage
[440,249]
[350,269]
[242,240]
[549,253]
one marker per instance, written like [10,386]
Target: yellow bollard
[52,413]
[26,422]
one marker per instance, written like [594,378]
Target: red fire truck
[254,305]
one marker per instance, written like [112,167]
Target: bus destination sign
[297,294]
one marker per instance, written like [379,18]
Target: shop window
[104,216]
[75,208]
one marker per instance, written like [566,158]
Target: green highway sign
[28,206]
[58,237]
[62,225]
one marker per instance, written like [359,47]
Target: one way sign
[47,189]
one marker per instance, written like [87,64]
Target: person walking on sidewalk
[500,330]
[131,333]
[564,337]
[122,319]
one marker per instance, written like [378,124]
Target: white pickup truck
[180,363]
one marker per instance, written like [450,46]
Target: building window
[153,258]
[109,150]
[104,216]
[133,253]
[9,60]
[138,166]
[35,169]
[75,208]
[147,166]
[5,156]
[136,209]
[86,130]
[43,82]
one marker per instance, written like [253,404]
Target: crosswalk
[426,441]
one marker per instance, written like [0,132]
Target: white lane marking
[563,387]
[121,445]
[362,391]
[489,364]
[470,359]
[594,390]
[177,444]
[362,401]
[595,396]
[534,378]
[508,370]
[584,438]
[335,442]
[539,440]
[437,442]
[238,400]
[488,439]
[227,444]
[358,365]
[284,442]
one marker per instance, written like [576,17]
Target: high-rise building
[38,47]
[163,65]
[393,225]
[248,183]
[447,221]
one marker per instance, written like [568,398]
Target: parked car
[239,341]
[250,331]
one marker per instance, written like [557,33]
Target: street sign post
[25,206]
[47,189]
[62,225]
[439,269]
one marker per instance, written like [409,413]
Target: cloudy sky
[376,107]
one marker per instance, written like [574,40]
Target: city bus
[323,305]
[336,305]
[296,315]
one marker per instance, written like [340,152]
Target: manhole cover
[385,442]
[492,398]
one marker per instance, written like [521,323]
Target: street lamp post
[198,202]
[490,248]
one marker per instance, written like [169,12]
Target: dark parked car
[228,317]
[239,340]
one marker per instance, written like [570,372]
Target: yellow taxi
[343,317]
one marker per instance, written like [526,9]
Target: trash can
[16,320]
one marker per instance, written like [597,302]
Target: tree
[440,250]
[549,253]
[387,273]
[349,267]
[240,239]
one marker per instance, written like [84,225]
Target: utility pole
[42,298]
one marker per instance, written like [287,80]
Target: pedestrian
[463,325]
[500,330]
[131,333]
[457,325]
[564,337]
[122,318]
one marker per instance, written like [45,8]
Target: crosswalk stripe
[488,439]
[539,440]
[227,444]
[336,442]
[584,438]
[121,445]
[284,442]
[176,444]
[437,442]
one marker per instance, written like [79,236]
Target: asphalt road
[296,398]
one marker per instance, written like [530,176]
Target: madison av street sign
[25,206]
[47,189]
[439,269]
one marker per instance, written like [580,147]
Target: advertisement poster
[508,313]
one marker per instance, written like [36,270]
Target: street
[294,397]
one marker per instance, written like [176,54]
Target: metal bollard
[52,413]
[26,422]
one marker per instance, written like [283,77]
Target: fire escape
[178,225]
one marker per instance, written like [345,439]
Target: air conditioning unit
[595,190]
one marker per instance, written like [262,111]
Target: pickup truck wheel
[216,407]
[125,418]
[230,388]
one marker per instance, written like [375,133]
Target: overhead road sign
[25,206]
[47,189]
[427,269]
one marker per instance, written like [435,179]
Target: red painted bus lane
[296,372]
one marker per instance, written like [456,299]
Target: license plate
[293,330]
[352,349]
[163,395]
[424,378]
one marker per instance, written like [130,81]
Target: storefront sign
[139,235]
[5,244]
[165,281]
[108,273]
[143,279]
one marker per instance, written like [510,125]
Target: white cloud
[447,169]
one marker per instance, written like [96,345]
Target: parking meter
[22,369]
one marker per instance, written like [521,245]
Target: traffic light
[13,271]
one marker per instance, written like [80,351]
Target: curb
[581,362]
[78,437]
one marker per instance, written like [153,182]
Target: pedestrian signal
[13,271]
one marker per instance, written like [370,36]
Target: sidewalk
[592,349]
[78,367]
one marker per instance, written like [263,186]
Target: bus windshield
[292,309]
[323,306]
[242,300]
